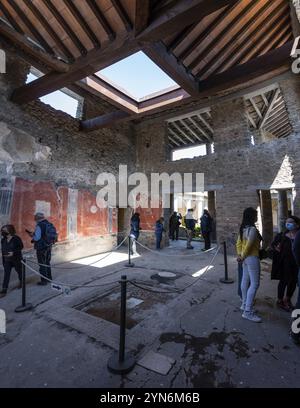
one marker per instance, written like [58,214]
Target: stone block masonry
[237,169]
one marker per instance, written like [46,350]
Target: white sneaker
[251,316]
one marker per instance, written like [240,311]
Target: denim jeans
[44,258]
[240,277]
[158,240]
[251,274]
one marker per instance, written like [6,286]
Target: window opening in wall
[252,140]
[64,100]
[6,192]
[191,130]
[266,113]
[189,152]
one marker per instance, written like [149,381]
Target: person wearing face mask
[11,246]
[284,266]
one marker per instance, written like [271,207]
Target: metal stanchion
[129,264]
[226,279]
[24,306]
[120,363]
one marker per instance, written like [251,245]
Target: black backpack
[49,233]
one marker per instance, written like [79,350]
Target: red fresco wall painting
[31,196]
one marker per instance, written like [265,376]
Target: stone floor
[199,335]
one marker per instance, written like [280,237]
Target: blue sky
[58,100]
[138,75]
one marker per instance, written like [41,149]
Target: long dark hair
[249,218]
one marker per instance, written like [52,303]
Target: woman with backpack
[284,266]
[11,247]
[248,247]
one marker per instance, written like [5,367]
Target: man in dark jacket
[174,224]
[134,231]
[206,228]
[42,247]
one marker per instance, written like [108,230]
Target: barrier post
[24,306]
[225,279]
[129,263]
[120,363]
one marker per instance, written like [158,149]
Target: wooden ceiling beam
[210,46]
[235,39]
[55,37]
[106,120]
[169,64]
[184,134]
[205,33]
[185,124]
[174,134]
[94,61]
[249,70]
[142,12]
[101,18]
[270,107]
[122,14]
[183,13]
[66,27]
[206,135]
[272,19]
[26,45]
[26,21]
[10,18]
[71,6]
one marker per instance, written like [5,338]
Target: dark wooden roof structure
[205,46]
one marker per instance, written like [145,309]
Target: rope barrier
[68,284]
[168,255]
[81,267]
[134,282]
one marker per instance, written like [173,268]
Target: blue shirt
[37,235]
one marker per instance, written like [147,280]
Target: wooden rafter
[94,61]
[236,20]
[142,12]
[176,135]
[183,13]
[66,27]
[248,70]
[235,39]
[205,33]
[168,63]
[189,128]
[71,6]
[122,14]
[26,21]
[204,133]
[32,50]
[10,19]
[51,32]
[101,18]
[184,134]
[273,18]
[270,107]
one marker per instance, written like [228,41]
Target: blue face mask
[290,226]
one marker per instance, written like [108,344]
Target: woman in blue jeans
[248,245]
